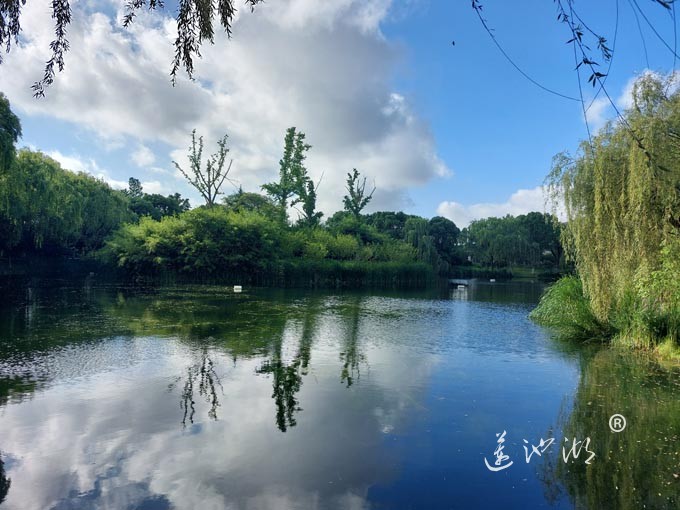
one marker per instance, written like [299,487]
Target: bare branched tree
[207,181]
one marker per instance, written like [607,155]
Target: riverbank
[567,311]
[324,274]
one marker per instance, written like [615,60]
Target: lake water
[196,397]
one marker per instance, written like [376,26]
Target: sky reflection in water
[198,398]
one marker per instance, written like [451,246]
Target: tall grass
[565,309]
[634,322]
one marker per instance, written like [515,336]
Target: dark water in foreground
[195,397]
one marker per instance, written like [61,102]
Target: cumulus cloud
[520,202]
[76,163]
[143,156]
[324,67]
[598,113]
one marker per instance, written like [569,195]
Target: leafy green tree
[307,196]
[48,209]
[356,199]
[531,240]
[543,232]
[155,205]
[294,183]
[208,181]
[254,202]
[102,211]
[623,205]
[444,235]
[135,189]
[418,235]
[389,222]
[10,132]
[170,205]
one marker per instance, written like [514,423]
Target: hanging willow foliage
[622,198]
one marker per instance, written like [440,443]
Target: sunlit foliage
[623,203]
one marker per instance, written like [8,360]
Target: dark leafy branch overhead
[194,26]
[596,77]
[582,37]
[582,34]
[478,8]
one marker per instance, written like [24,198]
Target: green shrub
[343,247]
[201,241]
[565,309]
[314,250]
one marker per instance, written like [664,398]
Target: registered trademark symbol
[617,422]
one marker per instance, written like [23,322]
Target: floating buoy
[238,288]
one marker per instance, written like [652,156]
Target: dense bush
[202,241]
[220,243]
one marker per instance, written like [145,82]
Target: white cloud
[153,187]
[67,446]
[77,164]
[598,113]
[324,67]
[520,202]
[143,156]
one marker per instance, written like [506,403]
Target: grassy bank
[634,323]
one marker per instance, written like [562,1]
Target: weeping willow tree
[622,198]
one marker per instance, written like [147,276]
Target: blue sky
[378,85]
[496,129]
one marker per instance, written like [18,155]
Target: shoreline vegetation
[50,213]
[619,247]
[622,197]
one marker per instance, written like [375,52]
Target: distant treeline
[247,237]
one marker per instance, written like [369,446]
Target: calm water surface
[196,397]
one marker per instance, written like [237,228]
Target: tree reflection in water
[638,467]
[287,376]
[203,375]
[287,381]
[350,355]
[4,482]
